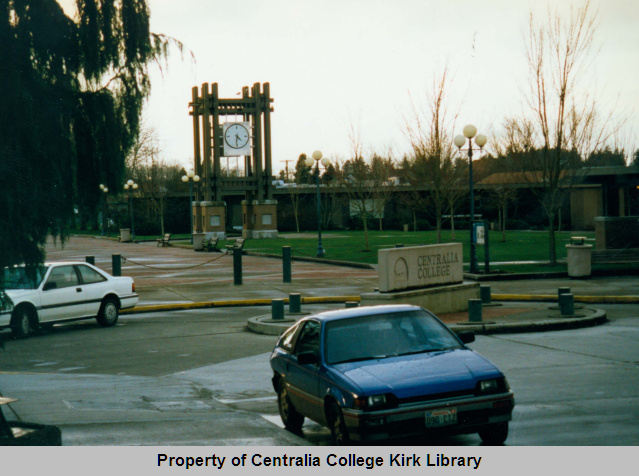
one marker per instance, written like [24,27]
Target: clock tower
[239,128]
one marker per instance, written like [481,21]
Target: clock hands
[241,136]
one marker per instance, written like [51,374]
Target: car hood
[17,295]
[419,374]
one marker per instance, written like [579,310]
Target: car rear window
[89,275]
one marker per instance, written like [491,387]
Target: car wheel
[109,312]
[494,434]
[339,433]
[292,420]
[23,322]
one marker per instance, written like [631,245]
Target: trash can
[125,235]
[197,241]
[579,258]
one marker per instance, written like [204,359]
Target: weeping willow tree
[72,96]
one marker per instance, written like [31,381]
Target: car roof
[51,263]
[58,263]
[363,311]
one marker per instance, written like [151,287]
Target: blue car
[379,372]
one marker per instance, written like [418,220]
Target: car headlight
[6,304]
[493,385]
[375,402]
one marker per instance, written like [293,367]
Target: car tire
[337,425]
[23,322]
[494,434]
[292,420]
[109,313]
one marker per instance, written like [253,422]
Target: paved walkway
[175,277]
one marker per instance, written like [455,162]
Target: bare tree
[456,191]
[355,177]
[382,169]
[300,176]
[155,175]
[432,160]
[563,125]
[144,146]
[512,148]
[330,202]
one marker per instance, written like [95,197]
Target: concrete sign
[420,266]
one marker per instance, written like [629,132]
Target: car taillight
[133,287]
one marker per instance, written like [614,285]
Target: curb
[265,325]
[550,324]
[598,273]
[553,298]
[341,299]
[235,303]
[515,276]
[348,264]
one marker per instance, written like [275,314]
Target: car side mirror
[308,358]
[466,337]
[49,285]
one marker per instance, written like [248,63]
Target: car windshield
[21,277]
[386,335]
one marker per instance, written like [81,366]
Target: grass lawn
[349,245]
[519,249]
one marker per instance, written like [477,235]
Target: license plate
[441,417]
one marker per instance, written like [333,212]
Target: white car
[63,291]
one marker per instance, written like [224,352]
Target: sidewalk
[170,278]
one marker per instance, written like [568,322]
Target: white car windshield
[21,277]
[386,335]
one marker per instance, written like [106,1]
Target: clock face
[236,136]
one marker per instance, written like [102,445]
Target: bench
[237,245]
[623,255]
[579,240]
[164,240]
[211,244]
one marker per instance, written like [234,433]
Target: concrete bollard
[484,292]
[286,263]
[474,310]
[116,263]
[567,304]
[295,303]
[237,267]
[90,260]
[350,304]
[561,291]
[277,309]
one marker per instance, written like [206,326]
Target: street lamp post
[130,186]
[469,132]
[105,218]
[191,177]
[317,157]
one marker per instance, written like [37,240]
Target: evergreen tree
[72,95]
[607,157]
[302,171]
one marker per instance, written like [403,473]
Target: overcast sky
[337,64]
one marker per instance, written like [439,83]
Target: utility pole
[286,168]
